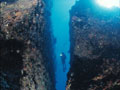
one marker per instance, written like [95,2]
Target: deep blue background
[60,24]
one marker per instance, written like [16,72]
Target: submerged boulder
[95,47]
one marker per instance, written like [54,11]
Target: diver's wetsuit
[63,58]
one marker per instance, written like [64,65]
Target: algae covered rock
[23,64]
[95,47]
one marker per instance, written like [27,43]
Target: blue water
[60,24]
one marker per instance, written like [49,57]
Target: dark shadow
[11,63]
[11,54]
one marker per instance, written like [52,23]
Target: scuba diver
[63,58]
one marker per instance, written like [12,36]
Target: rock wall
[95,47]
[25,58]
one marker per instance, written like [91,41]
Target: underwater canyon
[59,45]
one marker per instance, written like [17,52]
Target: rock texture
[95,47]
[25,60]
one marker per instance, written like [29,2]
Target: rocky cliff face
[24,60]
[95,47]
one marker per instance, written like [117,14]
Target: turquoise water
[60,26]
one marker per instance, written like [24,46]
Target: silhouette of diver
[63,58]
